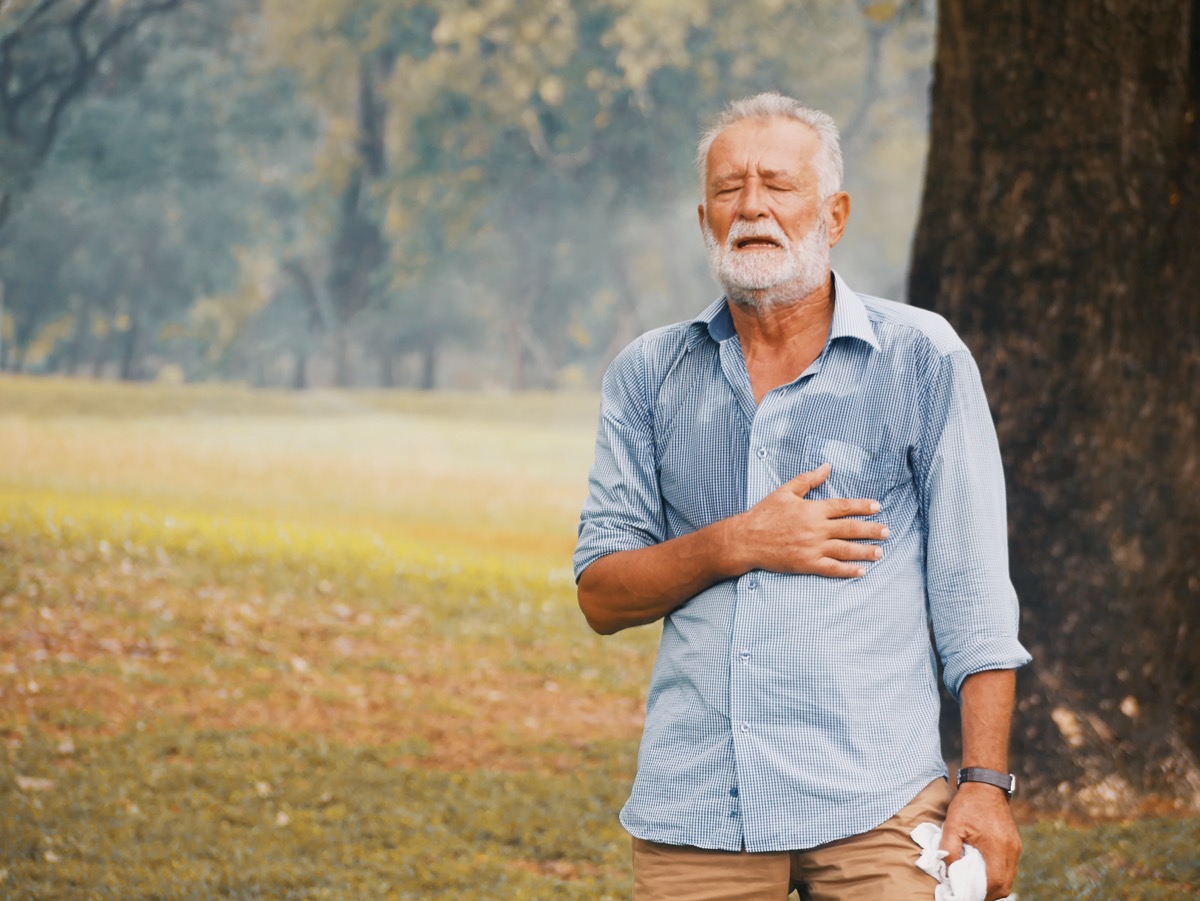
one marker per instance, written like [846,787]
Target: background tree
[1058,232]
[553,139]
[480,193]
[51,52]
[126,253]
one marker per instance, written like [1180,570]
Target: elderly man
[803,484]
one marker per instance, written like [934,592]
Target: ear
[700,213]
[837,214]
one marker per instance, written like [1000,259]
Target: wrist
[731,557]
[986,778]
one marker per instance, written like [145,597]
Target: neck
[781,340]
[773,318]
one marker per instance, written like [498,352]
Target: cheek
[719,226]
[799,226]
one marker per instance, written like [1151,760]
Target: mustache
[769,229]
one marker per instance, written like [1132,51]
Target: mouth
[757,243]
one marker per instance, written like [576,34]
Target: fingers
[858,530]
[837,507]
[1001,874]
[807,481]
[853,550]
[1002,868]
[953,845]
[837,569]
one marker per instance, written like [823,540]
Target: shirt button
[745,656]
[745,727]
[752,583]
[762,453]
[733,792]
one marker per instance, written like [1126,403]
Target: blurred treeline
[458,193]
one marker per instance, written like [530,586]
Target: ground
[326,646]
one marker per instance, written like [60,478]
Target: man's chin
[759,296]
[755,298]
[758,281]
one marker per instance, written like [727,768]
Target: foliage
[343,190]
[131,242]
[50,53]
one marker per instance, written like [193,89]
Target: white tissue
[963,880]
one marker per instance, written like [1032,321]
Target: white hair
[770,105]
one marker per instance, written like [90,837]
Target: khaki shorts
[879,865]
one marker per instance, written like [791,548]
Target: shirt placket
[762,477]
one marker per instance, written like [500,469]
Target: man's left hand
[979,815]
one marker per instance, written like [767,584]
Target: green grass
[1149,860]
[267,645]
[179,813]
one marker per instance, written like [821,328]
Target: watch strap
[1005,781]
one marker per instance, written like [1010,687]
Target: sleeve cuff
[993,654]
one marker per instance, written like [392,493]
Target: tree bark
[300,372]
[130,370]
[1058,233]
[359,248]
[429,360]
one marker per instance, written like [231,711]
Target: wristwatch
[1006,781]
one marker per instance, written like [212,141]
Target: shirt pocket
[855,472]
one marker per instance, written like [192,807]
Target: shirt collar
[850,319]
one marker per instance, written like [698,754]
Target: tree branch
[82,71]
[542,150]
[7,44]
[40,9]
[318,317]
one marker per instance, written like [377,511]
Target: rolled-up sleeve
[624,509]
[972,603]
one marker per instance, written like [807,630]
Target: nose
[753,200]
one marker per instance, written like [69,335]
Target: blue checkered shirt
[786,711]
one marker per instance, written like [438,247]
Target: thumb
[807,481]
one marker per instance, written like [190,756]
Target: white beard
[761,279]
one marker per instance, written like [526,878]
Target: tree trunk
[129,351]
[1058,233]
[73,356]
[429,358]
[343,377]
[100,357]
[300,372]
[3,338]
[359,248]
[387,369]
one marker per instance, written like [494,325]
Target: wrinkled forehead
[759,146]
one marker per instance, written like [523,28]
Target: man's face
[764,221]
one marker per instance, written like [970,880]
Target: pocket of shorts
[929,806]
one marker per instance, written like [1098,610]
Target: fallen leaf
[34,784]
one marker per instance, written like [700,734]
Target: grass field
[326,646]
